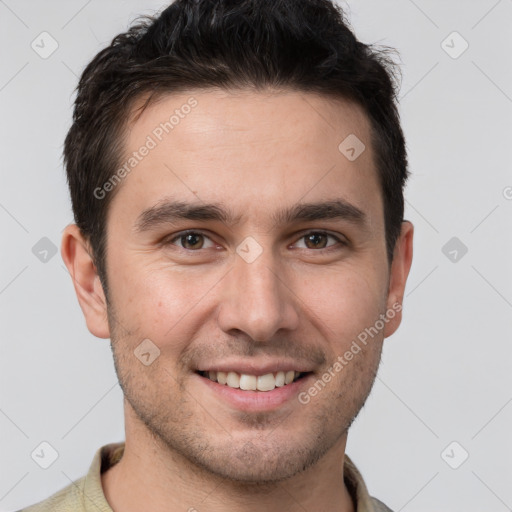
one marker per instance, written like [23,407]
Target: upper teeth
[266,382]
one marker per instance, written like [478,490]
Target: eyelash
[339,241]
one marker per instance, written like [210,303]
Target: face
[245,243]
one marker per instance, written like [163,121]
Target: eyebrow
[169,212]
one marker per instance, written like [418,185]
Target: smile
[246,382]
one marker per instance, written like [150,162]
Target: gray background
[445,376]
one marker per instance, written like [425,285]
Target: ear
[89,291]
[400,266]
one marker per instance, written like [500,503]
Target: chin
[260,460]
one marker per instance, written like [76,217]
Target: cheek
[344,303]
[162,303]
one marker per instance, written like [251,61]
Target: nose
[257,300]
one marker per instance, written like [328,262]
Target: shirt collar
[110,454]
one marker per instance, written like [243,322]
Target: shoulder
[378,506]
[85,494]
[358,490]
[65,500]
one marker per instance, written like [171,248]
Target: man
[236,171]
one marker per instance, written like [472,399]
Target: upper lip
[256,368]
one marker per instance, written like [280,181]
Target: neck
[151,476]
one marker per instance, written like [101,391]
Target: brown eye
[319,240]
[191,240]
[316,240]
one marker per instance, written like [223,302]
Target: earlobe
[400,267]
[75,252]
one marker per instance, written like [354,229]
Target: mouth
[267,392]
[248,382]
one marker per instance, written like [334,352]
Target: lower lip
[256,400]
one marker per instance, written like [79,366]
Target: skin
[256,153]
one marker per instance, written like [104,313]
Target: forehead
[249,115]
[249,149]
